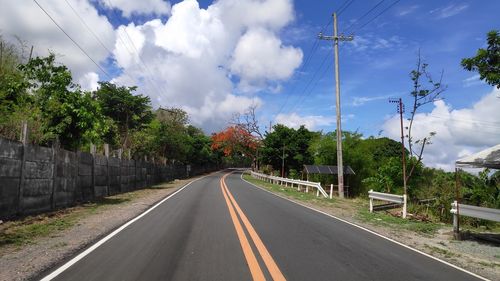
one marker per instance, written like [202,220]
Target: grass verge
[26,230]
[358,206]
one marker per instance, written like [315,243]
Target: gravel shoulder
[434,239]
[75,229]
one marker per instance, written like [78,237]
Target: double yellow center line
[252,262]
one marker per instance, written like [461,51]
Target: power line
[304,93]
[379,14]
[141,62]
[88,28]
[78,45]
[492,125]
[95,36]
[310,54]
[364,15]
[344,6]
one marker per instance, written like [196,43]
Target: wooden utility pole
[283,163]
[335,38]
[401,109]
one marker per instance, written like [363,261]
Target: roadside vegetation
[377,160]
[41,92]
[357,208]
[27,230]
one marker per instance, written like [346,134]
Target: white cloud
[408,10]
[459,131]
[142,7]
[259,55]
[471,81]
[88,82]
[311,122]
[358,101]
[449,11]
[27,21]
[374,43]
[193,58]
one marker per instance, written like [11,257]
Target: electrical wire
[141,62]
[363,16]
[379,14]
[304,66]
[304,93]
[344,7]
[88,28]
[72,40]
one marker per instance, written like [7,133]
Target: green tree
[487,61]
[294,144]
[68,114]
[128,111]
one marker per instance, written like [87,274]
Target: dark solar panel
[326,170]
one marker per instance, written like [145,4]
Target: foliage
[425,90]
[56,106]
[364,156]
[487,61]
[127,110]
[293,143]
[235,141]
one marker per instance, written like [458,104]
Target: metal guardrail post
[455,217]
[404,206]
[371,202]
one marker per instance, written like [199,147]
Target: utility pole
[335,38]
[283,163]
[401,109]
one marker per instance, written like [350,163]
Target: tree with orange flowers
[235,142]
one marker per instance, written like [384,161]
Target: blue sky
[214,59]
[444,31]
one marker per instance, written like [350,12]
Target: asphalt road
[216,229]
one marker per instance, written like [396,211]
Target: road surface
[223,228]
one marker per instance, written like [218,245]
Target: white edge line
[74,260]
[371,231]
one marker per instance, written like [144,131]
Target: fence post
[92,152]
[106,153]
[404,206]
[371,201]
[24,141]
[456,230]
[55,150]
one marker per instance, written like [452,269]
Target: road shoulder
[435,240]
[75,229]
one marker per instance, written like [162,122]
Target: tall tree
[487,61]
[68,113]
[235,141]
[129,111]
[425,90]
[293,144]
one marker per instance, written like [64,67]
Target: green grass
[443,252]
[290,192]
[358,205]
[26,230]
[381,218]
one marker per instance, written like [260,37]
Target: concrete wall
[36,179]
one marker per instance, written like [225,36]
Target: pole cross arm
[339,38]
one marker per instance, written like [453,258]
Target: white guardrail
[292,182]
[400,199]
[475,212]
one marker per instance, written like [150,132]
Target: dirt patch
[36,243]
[431,238]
